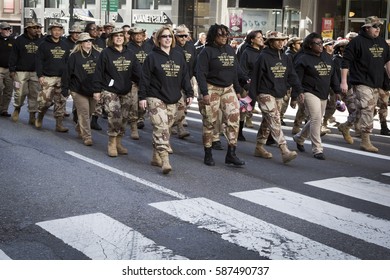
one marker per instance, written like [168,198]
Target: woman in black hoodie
[115,71]
[165,74]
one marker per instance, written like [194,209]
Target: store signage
[149,17]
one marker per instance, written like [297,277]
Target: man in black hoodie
[51,60]
[22,71]
[364,58]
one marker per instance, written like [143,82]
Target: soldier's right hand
[206,99]
[142,104]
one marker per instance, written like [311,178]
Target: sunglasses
[376,26]
[166,36]
[92,28]
[8,28]
[318,43]
[182,36]
[87,41]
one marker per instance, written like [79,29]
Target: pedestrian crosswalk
[99,236]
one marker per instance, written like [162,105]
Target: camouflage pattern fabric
[51,93]
[366,101]
[26,84]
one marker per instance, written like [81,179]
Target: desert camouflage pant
[224,99]
[5,89]
[51,93]
[366,101]
[133,103]
[383,103]
[162,117]
[117,108]
[353,114]
[181,109]
[26,84]
[270,109]
[285,102]
[330,105]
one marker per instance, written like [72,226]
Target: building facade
[332,18]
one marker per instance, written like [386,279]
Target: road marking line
[247,231]
[3,256]
[100,237]
[357,187]
[359,225]
[129,176]
[386,174]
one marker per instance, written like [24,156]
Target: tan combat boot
[119,147]
[260,151]
[156,159]
[59,126]
[166,167]
[287,155]
[112,151]
[366,145]
[344,128]
[31,120]
[15,114]
[38,121]
[182,132]
[134,131]
[248,122]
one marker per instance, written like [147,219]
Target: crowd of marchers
[121,75]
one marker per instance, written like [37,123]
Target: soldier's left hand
[189,101]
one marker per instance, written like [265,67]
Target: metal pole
[387,20]
[347,7]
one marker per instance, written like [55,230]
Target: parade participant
[22,71]
[201,42]
[74,34]
[248,58]
[165,75]
[77,79]
[273,72]
[188,50]
[317,73]
[116,68]
[217,74]
[6,44]
[50,63]
[364,59]
[141,50]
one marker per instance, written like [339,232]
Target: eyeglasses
[222,35]
[318,43]
[376,26]
[165,36]
[182,35]
[8,28]
[92,28]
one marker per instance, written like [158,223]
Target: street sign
[112,5]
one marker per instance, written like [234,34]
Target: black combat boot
[208,157]
[384,129]
[94,123]
[231,157]
[241,136]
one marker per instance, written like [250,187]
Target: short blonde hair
[160,31]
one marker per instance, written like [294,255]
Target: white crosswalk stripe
[359,225]
[102,238]
[357,187]
[3,256]
[247,231]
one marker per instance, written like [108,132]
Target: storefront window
[150,4]
[32,3]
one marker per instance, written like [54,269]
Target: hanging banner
[235,20]
[327,28]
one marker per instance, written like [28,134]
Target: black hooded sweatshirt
[273,73]
[51,58]
[365,57]
[78,76]
[217,65]
[141,52]
[164,76]
[116,70]
[317,74]
[23,53]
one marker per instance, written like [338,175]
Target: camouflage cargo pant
[300,115]
[366,101]
[117,108]
[162,117]
[5,89]
[350,101]
[226,100]
[26,84]
[330,105]
[51,93]
[246,114]
[270,109]
[383,103]
[181,109]
[133,103]
[285,102]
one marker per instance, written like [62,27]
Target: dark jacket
[248,59]
[273,73]
[140,52]
[116,70]
[217,66]
[365,57]
[23,54]
[164,76]
[317,74]
[6,44]
[190,54]
[51,58]
[78,76]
